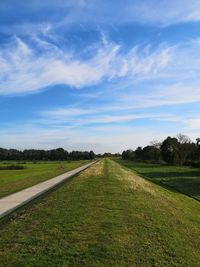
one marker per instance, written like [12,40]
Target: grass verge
[12,181]
[182,179]
[106,216]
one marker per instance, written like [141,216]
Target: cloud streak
[24,70]
[126,76]
[99,139]
[165,12]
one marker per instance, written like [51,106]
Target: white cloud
[166,11]
[24,70]
[163,12]
[101,115]
[98,138]
[130,80]
[146,11]
[30,16]
[193,124]
[166,95]
[178,83]
[89,132]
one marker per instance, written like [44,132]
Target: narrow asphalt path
[12,202]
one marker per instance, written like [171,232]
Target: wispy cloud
[24,70]
[99,138]
[105,114]
[193,124]
[69,12]
[133,84]
[162,95]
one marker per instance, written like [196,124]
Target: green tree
[169,149]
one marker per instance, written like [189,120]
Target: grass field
[12,181]
[182,179]
[105,216]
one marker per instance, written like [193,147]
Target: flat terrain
[182,179]
[106,216]
[19,199]
[12,181]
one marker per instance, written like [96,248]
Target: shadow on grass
[170,174]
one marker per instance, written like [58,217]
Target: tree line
[38,154]
[179,150]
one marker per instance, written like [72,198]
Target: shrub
[12,167]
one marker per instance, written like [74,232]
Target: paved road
[12,202]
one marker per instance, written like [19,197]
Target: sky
[102,75]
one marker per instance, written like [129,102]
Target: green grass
[105,216]
[12,181]
[182,179]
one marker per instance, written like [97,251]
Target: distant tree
[184,147]
[173,150]
[169,149]
[138,153]
[176,150]
[183,139]
[59,154]
[91,155]
[156,143]
[107,154]
[198,142]
[117,155]
[193,154]
[198,149]
[38,154]
[151,153]
[128,154]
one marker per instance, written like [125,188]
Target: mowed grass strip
[182,179]
[106,216]
[12,181]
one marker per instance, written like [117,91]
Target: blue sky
[98,74]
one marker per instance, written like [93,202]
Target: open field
[106,216]
[182,179]
[12,181]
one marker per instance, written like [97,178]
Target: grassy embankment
[182,179]
[106,216]
[12,181]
